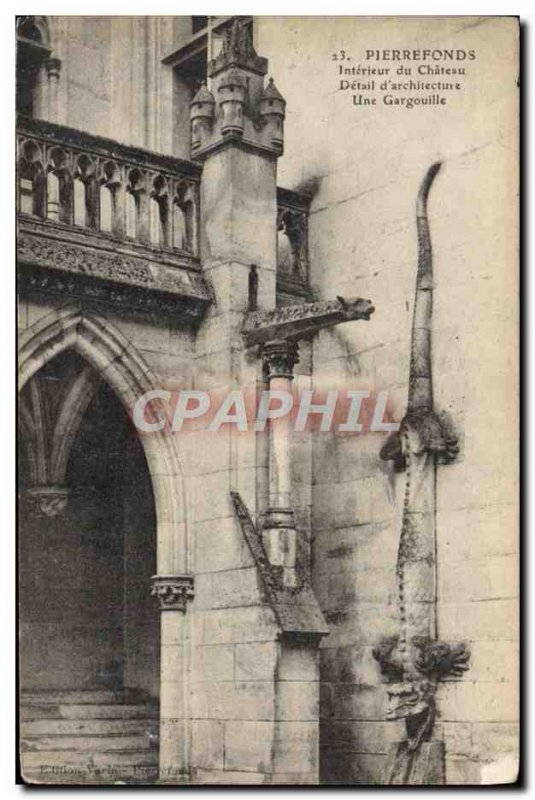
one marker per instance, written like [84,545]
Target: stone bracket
[47,501]
[305,319]
[173,591]
[297,610]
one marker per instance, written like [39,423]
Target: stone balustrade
[102,220]
[72,178]
[125,203]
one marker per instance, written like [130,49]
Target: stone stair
[88,737]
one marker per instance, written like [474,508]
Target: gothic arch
[118,363]
[39,24]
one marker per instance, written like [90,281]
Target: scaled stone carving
[413,662]
[427,431]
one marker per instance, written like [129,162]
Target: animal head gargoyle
[356,307]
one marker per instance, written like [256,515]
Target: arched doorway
[88,350]
[89,629]
[87,619]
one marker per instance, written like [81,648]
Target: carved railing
[292,242]
[69,177]
[107,221]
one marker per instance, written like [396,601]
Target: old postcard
[268,414]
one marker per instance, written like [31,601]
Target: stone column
[173,593]
[278,528]
[238,142]
[236,131]
[53,69]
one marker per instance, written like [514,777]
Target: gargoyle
[295,322]
[414,662]
[426,430]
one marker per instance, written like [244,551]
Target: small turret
[272,111]
[244,114]
[231,99]
[201,114]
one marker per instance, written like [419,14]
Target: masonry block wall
[364,166]
[113,82]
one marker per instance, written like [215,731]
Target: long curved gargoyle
[413,661]
[429,432]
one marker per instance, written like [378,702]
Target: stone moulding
[296,610]
[53,261]
[237,141]
[173,591]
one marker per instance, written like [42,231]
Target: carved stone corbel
[303,320]
[47,501]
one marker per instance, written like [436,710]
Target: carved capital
[53,67]
[47,501]
[279,358]
[173,591]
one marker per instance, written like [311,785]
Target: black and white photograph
[267,280]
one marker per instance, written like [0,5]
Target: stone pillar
[233,719]
[278,530]
[173,593]
[237,135]
[53,68]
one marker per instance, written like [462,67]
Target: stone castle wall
[365,165]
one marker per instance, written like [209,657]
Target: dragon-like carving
[413,662]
